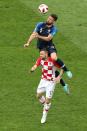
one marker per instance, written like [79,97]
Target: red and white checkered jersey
[48,68]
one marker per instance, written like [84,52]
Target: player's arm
[48,38]
[58,78]
[61,73]
[32,36]
[36,65]
[33,68]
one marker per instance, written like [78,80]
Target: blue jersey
[42,29]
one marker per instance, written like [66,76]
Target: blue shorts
[50,49]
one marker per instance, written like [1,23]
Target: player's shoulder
[54,28]
[50,59]
[39,59]
[40,23]
[53,61]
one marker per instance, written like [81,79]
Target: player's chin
[43,58]
[49,23]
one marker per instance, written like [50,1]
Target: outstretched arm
[32,36]
[33,68]
[36,65]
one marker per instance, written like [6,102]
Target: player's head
[51,19]
[43,53]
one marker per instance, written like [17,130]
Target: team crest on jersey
[50,64]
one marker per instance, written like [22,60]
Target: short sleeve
[38,62]
[56,64]
[37,28]
[54,31]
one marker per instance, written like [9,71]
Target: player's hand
[57,79]
[32,70]
[26,45]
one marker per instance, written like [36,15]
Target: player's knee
[47,101]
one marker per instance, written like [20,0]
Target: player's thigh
[50,90]
[39,95]
[41,88]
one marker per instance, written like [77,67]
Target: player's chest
[47,65]
[45,31]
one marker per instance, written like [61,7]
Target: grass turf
[19,108]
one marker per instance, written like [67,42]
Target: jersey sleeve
[56,64]
[38,62]
[54,31]
[38,26]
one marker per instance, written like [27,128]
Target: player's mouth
[47,23]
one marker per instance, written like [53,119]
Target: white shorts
[46,86]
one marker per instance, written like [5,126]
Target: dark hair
[55,17]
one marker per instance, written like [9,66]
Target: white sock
[42,99]
[47,107]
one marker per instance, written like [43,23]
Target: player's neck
[49,26]
[45,59]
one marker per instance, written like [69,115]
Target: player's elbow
[48,38]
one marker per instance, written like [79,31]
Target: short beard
[44,58]
[48,23]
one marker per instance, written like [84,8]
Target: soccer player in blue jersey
[44,33]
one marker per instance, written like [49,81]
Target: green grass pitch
[19,108]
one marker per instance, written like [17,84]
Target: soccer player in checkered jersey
[44,33]
[47,82]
